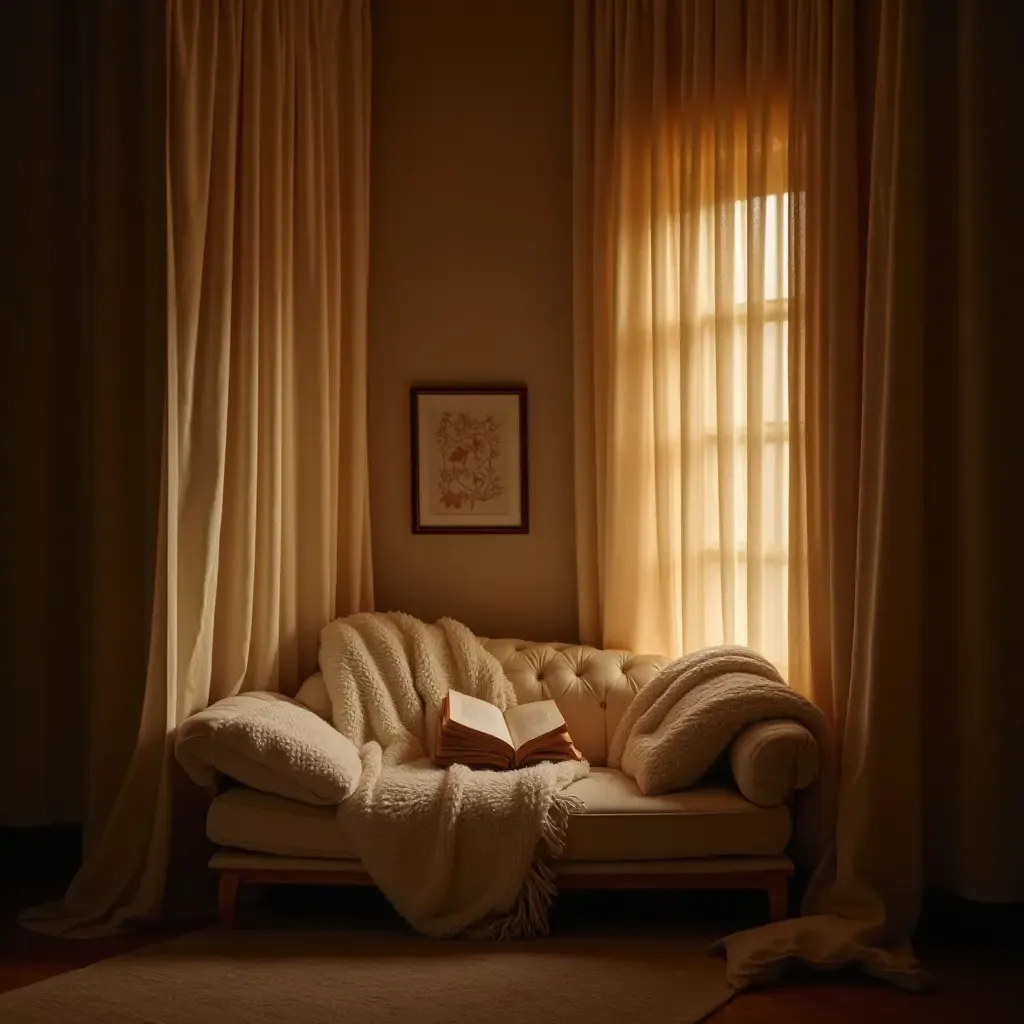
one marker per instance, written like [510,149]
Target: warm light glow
[758,538]
[715,335]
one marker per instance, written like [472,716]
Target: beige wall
[471,280]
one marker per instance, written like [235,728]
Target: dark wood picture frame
[517,390]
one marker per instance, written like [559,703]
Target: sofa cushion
[271,743]
[245,819]
[620,824]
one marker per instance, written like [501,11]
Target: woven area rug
[272,976]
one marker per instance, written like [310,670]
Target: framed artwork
[469,466]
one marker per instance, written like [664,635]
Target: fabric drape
[264,526]
[83,318]
[682,296]
[858,383]
[909,645]
[899,315]
[972,701]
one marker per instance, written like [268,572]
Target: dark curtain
[83,328]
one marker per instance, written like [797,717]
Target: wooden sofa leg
[778,897]
[227,897]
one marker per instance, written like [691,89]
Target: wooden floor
[980,973]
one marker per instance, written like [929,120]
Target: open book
[476,733]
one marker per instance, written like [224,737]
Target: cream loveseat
[732,832]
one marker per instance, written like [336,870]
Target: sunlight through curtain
[682,314]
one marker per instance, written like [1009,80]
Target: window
[703,330]
[743,433]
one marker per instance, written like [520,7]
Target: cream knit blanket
[456,850]
[684,719]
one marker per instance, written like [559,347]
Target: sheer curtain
[901,311]
[693,118]
[264,527]
[682,309]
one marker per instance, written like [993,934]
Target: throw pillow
[269,742]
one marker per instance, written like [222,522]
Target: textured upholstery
[593,688]
[269,742]
[618,825]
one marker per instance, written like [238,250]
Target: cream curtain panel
[897,311]
[264,528]
[682,310]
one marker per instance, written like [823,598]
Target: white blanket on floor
[454,850]
[684,719]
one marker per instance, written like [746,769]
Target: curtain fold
[972,700]
[682,295]
[264,526]
[83,315]
[825,344]
[899,186]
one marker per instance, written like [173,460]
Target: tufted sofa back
[592,687]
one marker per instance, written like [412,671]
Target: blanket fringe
[528,917]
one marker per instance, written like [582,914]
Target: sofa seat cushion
[620,824]
[246,819]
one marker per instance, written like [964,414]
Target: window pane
[690,322]
[775,388]
[776,234]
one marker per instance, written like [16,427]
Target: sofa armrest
[772,759]
[270,742]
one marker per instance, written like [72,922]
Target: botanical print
[469,460]
[469,447]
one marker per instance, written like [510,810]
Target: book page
[528,721]
[557,747]
[477,714]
